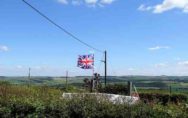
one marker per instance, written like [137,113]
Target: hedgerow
[46,102]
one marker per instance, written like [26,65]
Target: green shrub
[114,89]
[163,98]
[46,102]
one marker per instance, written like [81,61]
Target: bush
[45,102]
[89,107]
[163,98]
[114,89]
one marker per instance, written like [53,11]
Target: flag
[86,61]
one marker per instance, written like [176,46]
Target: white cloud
[183,63]
[19,67]
[158,48]
[107,1]
[93,3]
[131,69]
[167,5]
[4,48]
[63,1]
[143,7]
[160,65]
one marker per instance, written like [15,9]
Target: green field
[177,83]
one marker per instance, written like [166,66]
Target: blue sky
[142,37]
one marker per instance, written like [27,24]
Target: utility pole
[67,79]
[29,76]
[105,66]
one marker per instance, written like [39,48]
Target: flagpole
[93,65]
[93,72]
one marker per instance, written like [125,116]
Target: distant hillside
[139,81]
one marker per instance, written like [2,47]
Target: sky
[142,37]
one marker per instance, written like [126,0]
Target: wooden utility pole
[67,73]
[29,76]
[105,66]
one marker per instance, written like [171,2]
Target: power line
[61,28]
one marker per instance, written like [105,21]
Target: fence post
[170,89]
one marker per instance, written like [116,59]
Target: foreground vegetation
[42,101]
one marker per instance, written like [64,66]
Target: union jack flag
[86,61]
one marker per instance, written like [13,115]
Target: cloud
[4,48]
[160,65]
[107,1]
[183,63]
[19,67]
[158,48]
[143,7]
[63,1]
[166,5]
[92,3]
[131,69]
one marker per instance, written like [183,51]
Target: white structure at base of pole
[116,99]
